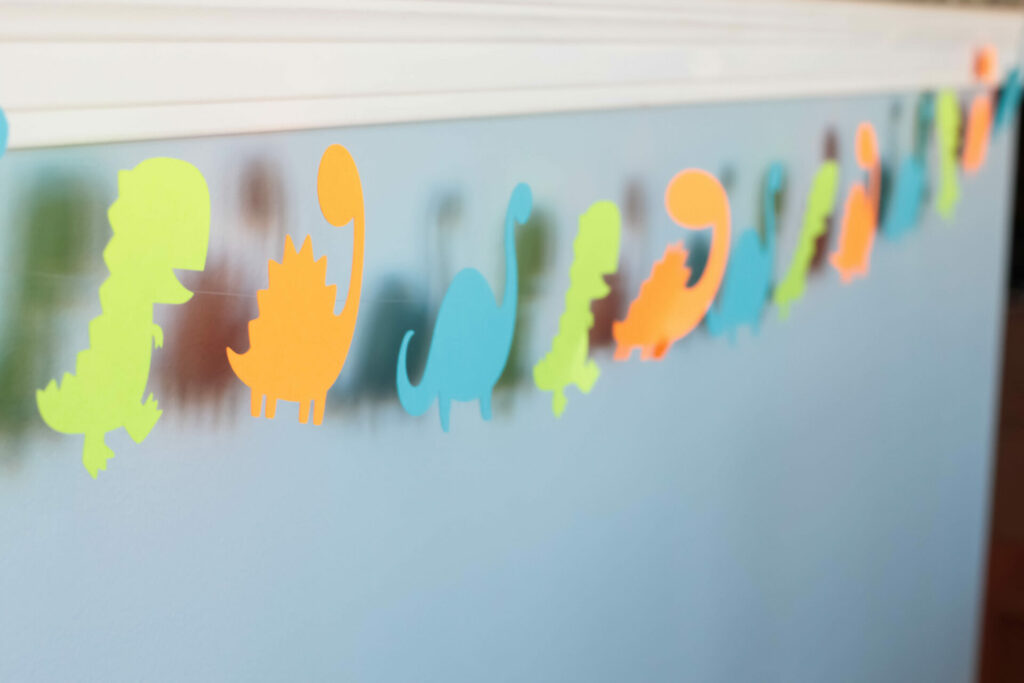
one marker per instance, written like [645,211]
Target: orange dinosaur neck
[355,282]
[718,257]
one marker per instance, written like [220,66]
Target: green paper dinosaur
[596,254]
[820,204]
[947,129]
[160,221]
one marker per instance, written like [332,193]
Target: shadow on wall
[54,246]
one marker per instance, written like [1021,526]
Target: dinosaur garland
[298,345]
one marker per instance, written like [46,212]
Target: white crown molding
[92,72]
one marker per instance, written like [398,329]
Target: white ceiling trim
[92,72]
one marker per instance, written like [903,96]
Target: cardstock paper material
[947,131]
[595,256]
[908,197]
[748,279]
[161,222]
[979,119]
[1009,99]
[472,333]
[821,203]
[860,215]
[666,309]
[297,345]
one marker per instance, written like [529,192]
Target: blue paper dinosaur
[472,334]
[908,196]
[748,280]
[1009,99]
[3,133]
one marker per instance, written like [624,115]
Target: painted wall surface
[806,504]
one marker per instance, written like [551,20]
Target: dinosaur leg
[318,409]
[304,412]
[659,351]
[142,419]
[444,407]
[95,453]
[271,407]
[558,402]
[587,376]
[255,403]
[485,406]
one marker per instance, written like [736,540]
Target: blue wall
[806,504]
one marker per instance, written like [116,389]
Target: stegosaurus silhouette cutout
[298,345]
[161,221]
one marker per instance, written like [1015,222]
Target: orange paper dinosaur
[860,215]
[979,119]
[666,310]
[297,345]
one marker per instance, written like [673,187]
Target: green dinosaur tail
[59,405]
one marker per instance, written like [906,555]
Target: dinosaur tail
[58,405]
[415,399]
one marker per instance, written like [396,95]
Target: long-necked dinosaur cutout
[297,345]
[908,197]
[667,309]
[472,333]
[978,128]
[1009,99]
[860,215]
[595,256]
[748,279]
[161,222]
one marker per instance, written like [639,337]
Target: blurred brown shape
[193,369]
[821,246]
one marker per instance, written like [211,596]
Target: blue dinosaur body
[472,335]
[748,280]
[910,192]
[1009,100]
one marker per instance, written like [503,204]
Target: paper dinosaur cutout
[978,129]
[748,279]
[595,255]
[947,131]
[297,345]
[821,202]
[908,197]
[860,215]
[666,309]
[472,333]
[3,133]
[1009,99]
[161,222]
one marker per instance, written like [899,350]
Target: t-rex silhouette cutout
[748,278]
[666,309]
[161,221]
[947,132]
[472,333]
[595,255]
[297,345]
[908,197]
[860,215]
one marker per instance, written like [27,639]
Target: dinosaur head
[161,221]
[338,187]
